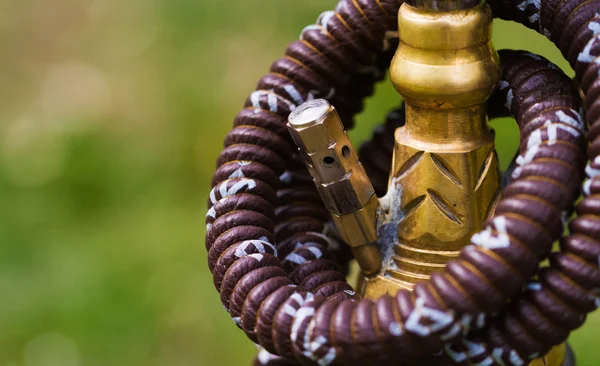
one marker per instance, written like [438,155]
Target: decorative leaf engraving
[444,206]
[483,171]
[445,169]
[412,162]
[413,205]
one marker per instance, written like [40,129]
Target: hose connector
[340,178]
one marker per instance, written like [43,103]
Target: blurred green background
[111,116]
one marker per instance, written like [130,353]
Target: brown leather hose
[300,306]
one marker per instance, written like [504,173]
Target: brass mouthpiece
[340,178]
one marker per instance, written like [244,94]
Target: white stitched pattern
[211,213]
[272,100]
[301,315]
[524,159]
[590,171]
[536,3]
[295,258]
[243,183]
[458,357]
[311,27]
[238,173]
[488,361]
[439,319]
[509,99]
[585,55]
[258,244]
[264,357]
[515,359]
[587,186]
[286,177]
[497,356]
[473,349]
[480,322]
[289,310]
[296,96]
[257,256]
[487,239]
[395,329]
[324,19]
[328,358]
[315,251]
[453,332]
[576,122]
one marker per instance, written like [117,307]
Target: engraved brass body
[444,157]
[445,176]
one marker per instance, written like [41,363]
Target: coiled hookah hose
[279,268]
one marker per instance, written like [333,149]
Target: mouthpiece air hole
[328,161]
[345,151]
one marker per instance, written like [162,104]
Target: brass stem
[445,171]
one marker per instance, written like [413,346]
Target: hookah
[457,262]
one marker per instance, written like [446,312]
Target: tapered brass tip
[340,178]
[309,113]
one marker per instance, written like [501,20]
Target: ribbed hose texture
[271,252]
